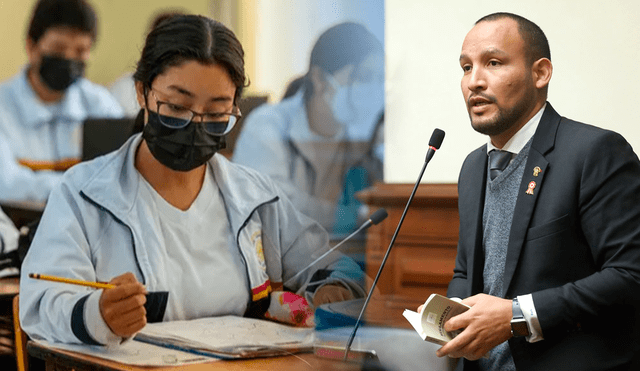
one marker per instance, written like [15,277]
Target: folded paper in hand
[435,313]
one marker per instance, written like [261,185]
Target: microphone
[374,219]
[434,144]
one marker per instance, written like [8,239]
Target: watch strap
[519,325]
[516,310]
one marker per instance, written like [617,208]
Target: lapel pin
[536,171]
[532,185]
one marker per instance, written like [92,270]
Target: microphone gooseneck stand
[434,144]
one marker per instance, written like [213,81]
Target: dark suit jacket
[574,245]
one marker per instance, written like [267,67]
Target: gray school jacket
[94,229]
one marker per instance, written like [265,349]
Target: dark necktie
[498,161]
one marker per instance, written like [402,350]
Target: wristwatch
[519,325]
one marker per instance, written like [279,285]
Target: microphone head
[378,216]
[436,138]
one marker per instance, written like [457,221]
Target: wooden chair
[20,338]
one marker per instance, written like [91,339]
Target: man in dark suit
[549,246]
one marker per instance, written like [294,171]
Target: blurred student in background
[42,108]
[321,143]
[123,88]
[293,86]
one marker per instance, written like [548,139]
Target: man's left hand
[486,324]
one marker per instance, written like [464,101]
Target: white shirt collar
[521,138]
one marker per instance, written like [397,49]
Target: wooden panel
[422,259]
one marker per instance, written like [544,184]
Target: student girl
[180,231]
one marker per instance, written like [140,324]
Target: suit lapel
[532,182]
[525,205]
[473,207]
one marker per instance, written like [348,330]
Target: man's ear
[140,96]
[30,48]
[542,71]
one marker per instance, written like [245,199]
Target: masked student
[321,144]
[182,232]
[42,108]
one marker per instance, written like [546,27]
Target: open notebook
[202,340]
[229,337]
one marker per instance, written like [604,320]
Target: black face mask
[180,149]
[59,73]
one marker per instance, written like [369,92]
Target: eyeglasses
[175,116]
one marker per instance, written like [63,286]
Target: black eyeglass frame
[232,121]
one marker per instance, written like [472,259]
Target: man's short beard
[504,119]
[497,126]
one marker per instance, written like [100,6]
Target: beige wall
[121,29]
[14,15]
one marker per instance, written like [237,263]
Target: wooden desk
[9,287]
[62,360]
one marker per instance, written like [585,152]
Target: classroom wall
[121,29]
[595,48]
[14,14]
[123,26]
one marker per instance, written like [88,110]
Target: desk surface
[9,286]
[66,360]
[397,349]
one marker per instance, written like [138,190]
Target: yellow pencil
[95,285]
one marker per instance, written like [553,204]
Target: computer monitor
[103,135]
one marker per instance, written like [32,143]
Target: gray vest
[499,203]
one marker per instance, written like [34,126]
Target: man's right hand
[122,307]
